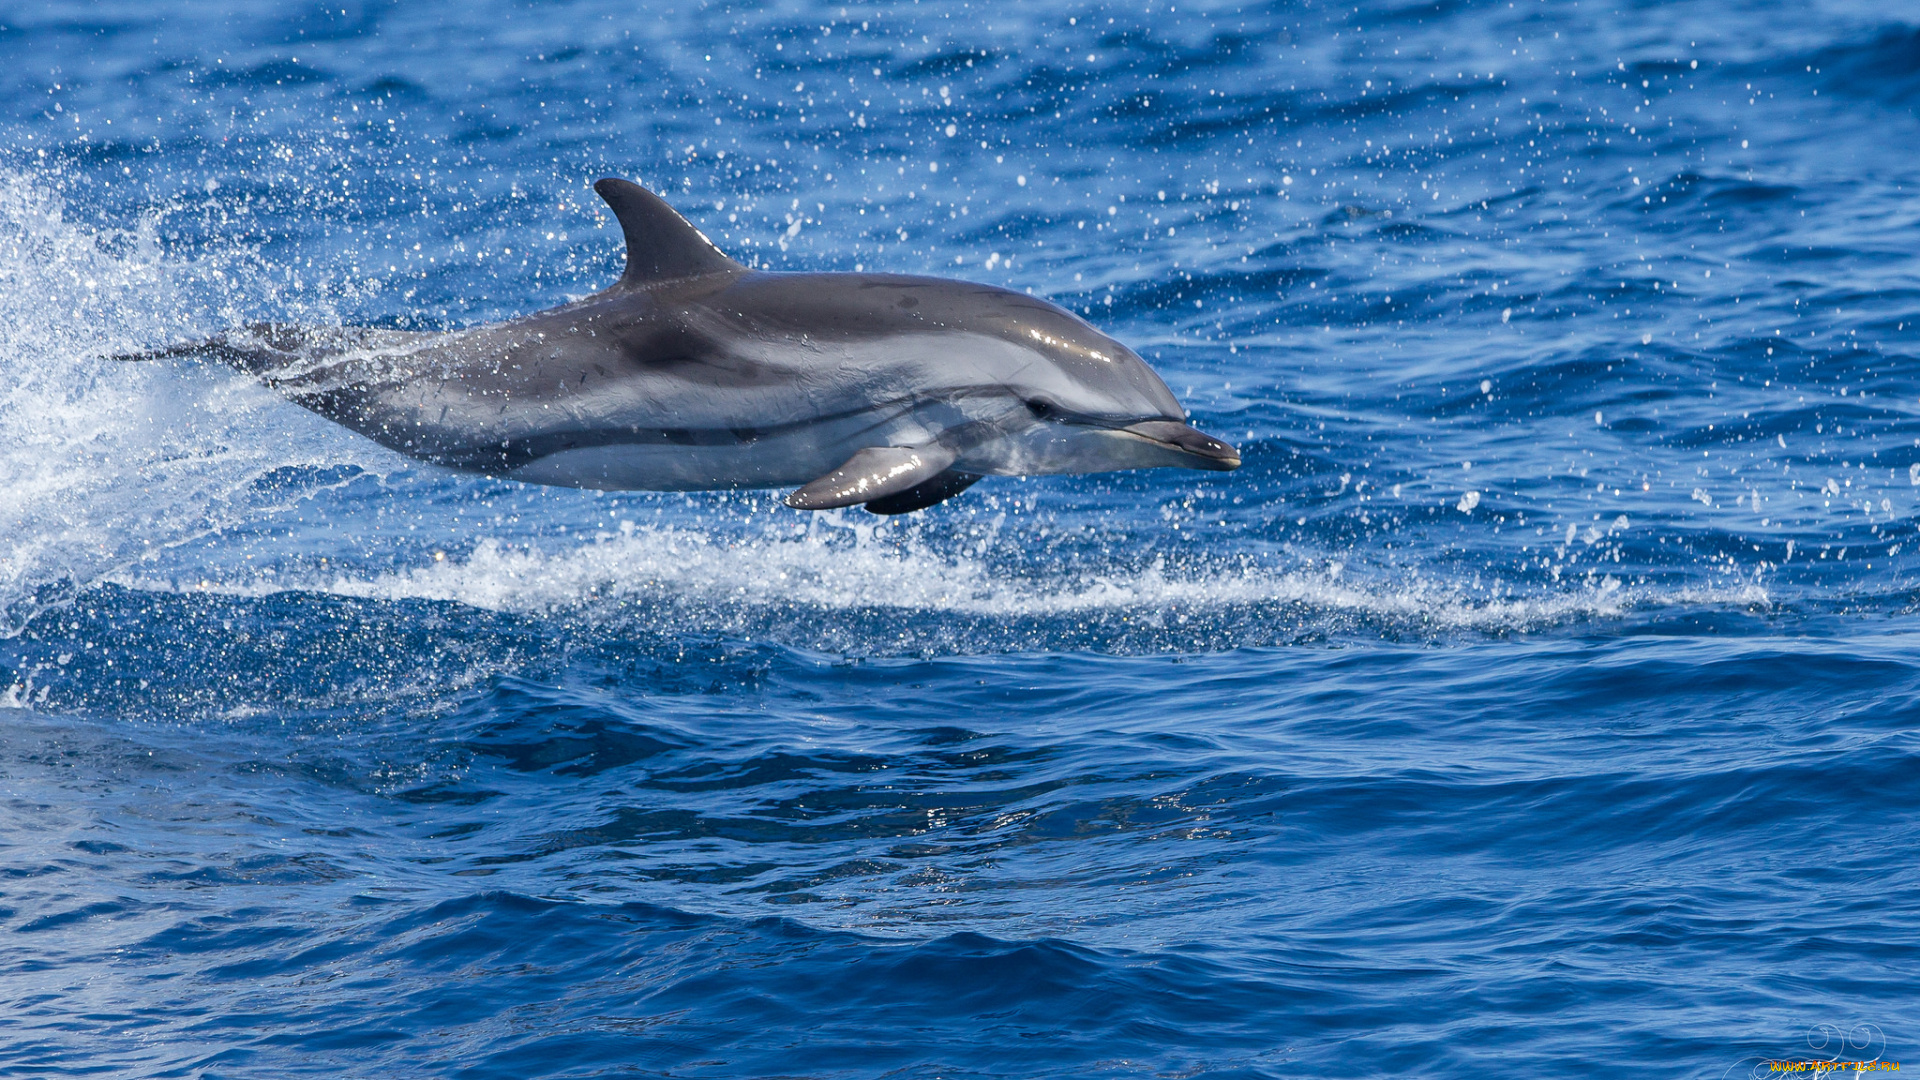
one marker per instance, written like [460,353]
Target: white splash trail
[820,570]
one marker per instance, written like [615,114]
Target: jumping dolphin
[694,372]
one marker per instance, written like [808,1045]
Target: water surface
[1541,695]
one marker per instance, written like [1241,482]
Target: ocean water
[1541,698]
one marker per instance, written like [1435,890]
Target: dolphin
[694,372]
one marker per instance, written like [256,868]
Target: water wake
[104,464]
[834,567]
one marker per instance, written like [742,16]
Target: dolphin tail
[275,350]
[255,349]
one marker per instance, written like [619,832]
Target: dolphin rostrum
[694,372]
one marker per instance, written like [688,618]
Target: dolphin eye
[1041,410]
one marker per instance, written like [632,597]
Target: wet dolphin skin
[694,372]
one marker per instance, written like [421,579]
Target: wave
[837,564]
[1885,68]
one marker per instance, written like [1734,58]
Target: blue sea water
[1541,698]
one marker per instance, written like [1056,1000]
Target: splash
[103,464]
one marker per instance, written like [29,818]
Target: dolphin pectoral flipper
[925,493]
[874,473]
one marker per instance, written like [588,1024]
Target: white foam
[102,463]
[832,567]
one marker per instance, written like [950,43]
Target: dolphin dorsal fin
[661,245]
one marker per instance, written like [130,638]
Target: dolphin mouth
[1207,451]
